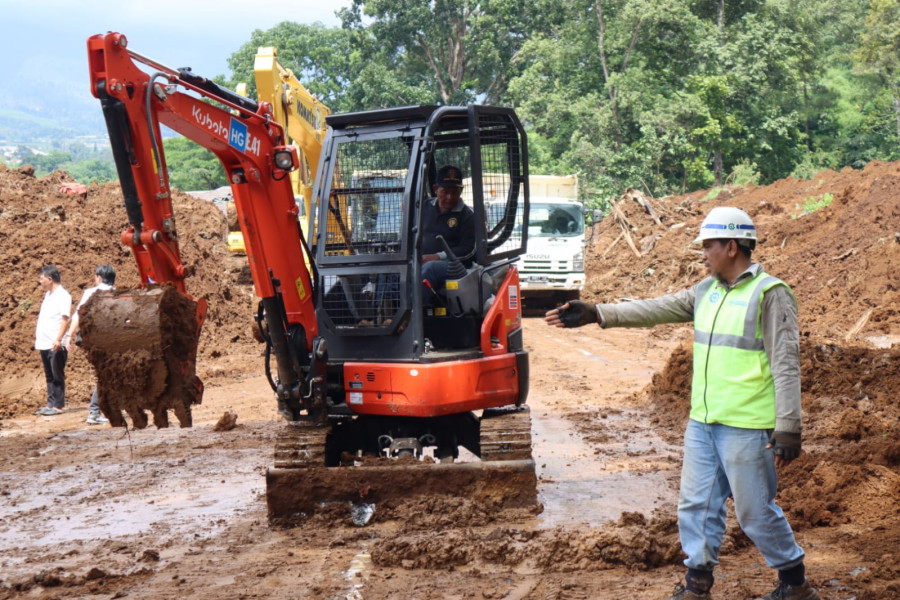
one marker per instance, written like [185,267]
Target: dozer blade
[143,346]
[299,483]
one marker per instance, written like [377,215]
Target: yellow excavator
[302,116]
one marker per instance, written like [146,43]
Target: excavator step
[300,484]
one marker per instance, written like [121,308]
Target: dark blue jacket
[456,225]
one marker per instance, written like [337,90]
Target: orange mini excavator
[381,385]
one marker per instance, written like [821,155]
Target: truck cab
[553,267]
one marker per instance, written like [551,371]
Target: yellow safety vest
[732,382]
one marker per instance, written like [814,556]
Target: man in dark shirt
[448,216]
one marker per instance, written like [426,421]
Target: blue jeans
[94,408]
[722,461]
[435,272]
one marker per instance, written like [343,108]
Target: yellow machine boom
[297,110]
[300,114]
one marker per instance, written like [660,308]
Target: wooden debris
[643,202]
[614,242]
[649,242]
[846,254]
[854,331]
[630,242]
[622,220]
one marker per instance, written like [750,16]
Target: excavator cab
[375,182]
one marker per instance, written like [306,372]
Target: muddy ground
[97,512]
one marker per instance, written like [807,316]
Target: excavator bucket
[301,484]
[143,346]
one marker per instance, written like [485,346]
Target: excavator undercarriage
[313,467]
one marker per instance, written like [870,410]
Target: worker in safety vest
[745,401]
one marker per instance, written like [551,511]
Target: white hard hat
[727,222]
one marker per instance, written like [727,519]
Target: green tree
[879,51]
[463,50]
[192,167]
[52,161]
[93,170]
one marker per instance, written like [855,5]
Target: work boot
[682,593]
[792,592]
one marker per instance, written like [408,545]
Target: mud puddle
[577,484]
[118,489]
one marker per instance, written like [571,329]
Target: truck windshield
[554,220]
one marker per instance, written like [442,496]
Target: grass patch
[712,194]
[812,204]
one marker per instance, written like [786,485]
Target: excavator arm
[250,143]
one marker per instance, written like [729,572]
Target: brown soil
[101,512]
[39,225]
[840,260]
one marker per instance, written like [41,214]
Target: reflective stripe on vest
[747,341]
[732,381]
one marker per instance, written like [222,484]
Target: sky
[43,42]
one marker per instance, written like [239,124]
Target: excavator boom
[302,116]
[301,113]
[251,147]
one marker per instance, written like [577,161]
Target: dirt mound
[40,225]
[851,430]
[838,258]
[835,240]
[634,541]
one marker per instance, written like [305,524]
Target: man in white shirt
[50,338]
[104,278]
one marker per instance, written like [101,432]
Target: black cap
[449,176]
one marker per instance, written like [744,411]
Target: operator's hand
[572,314]
[786,445]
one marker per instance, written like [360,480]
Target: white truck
[553,267]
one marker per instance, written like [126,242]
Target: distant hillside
[22,127]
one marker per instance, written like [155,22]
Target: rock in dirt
[227,422]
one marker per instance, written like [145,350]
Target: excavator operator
[448,216]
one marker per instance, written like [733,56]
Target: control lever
[455,269]
[437,297]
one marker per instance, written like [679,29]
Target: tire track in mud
[596,453]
